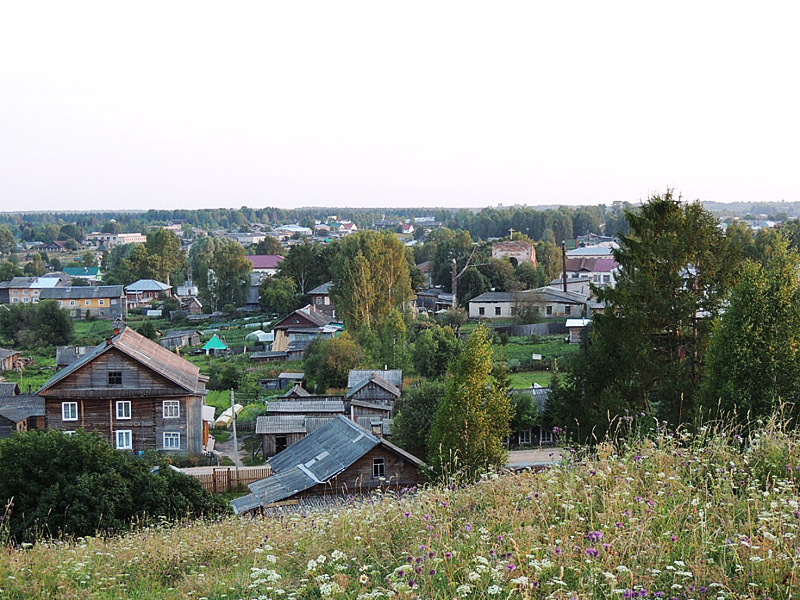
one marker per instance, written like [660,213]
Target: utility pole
[235,439]
[454,284]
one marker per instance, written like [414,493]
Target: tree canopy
[753,362]
[371,278]
[473,418]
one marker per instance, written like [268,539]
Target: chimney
[377,428]
[564,263]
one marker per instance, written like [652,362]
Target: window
[115,378]
[318,300]
[606,278]
[15,292]
[172,409]
[101,302]
[481,311]
[72,302]
[525,436]
[87,302]
[172,441]
[69,411]
[15,300]
[124,439]
[123,409]
[546,436]
[549,310]
[567,309]
[497,311]
[379,467]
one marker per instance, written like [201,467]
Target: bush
[79,485]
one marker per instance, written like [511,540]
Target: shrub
[79,485]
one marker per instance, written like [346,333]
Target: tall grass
[709,515]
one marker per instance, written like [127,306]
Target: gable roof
[315,459]
[147,285]
[312,317]
[549,294]
[264,261]
[82,292]
[146,352]
[9,388]
[393,376]
[297,391]
[300,407]
[30,282]
[82,271]
[494,297]
[19,408]
[378,380]
[5,353]
[325,288]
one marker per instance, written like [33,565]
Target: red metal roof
[264,261]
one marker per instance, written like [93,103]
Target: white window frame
[174,437]
[67,412]
[120,441]
[525,437]
[172,409]
[545,436]
[101,302]
[379,467]
[123,415]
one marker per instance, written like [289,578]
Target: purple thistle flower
[448,555]
[594,536]
[557,550]
[591,552]
[432,572]
[510,567]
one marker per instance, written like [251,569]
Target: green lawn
[525,379]
[518,350]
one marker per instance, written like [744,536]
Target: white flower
[494,590]
[463,589]
[473,576]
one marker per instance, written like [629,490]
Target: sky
[170,104]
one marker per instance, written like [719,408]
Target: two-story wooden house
[137,394]
[101,301]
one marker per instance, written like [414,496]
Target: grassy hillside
[710,516]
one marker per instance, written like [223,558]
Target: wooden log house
[139,395]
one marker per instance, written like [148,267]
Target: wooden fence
[223,479]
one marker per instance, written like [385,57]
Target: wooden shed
[337,459]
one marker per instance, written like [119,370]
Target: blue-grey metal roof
[301,407]
[83,292]
[393,376]
[380,381]
[325,288]
[315,459]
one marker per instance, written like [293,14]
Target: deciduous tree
[753,363]
[473,418]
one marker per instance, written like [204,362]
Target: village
[145,384]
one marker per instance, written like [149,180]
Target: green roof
[215,344]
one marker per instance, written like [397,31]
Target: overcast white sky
[195,104]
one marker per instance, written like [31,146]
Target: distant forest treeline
[536,222]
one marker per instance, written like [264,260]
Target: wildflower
[510,567]
[594,536]
[591,552]
[363,580]
[494,590]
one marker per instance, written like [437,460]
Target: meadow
[709,515]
